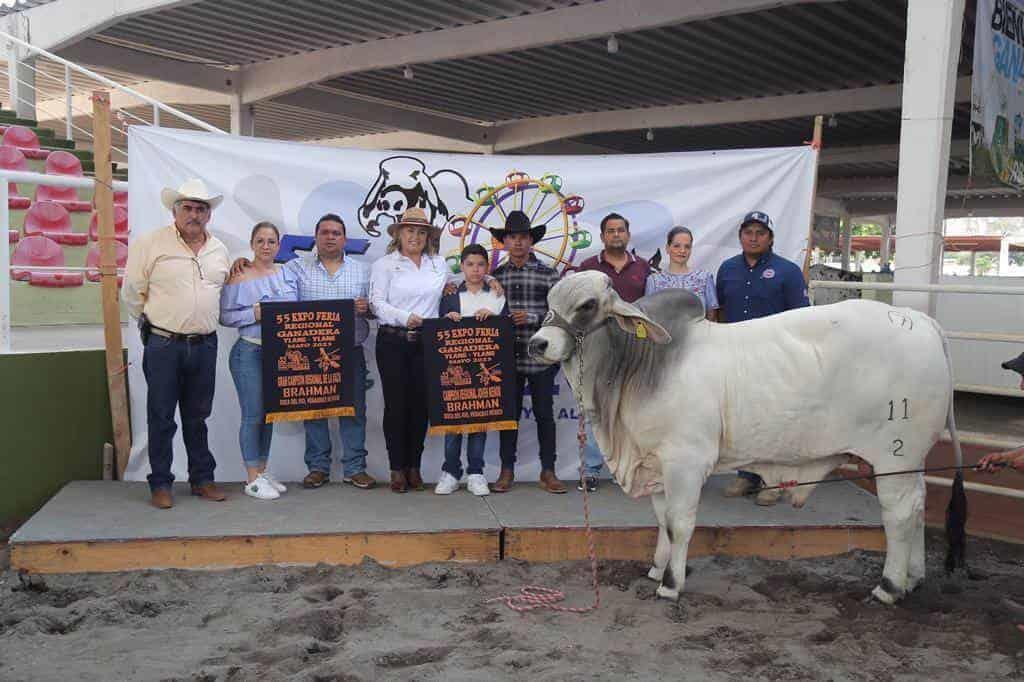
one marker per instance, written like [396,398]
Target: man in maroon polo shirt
[628,273]
[629,278]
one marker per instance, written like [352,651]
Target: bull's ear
[634,321]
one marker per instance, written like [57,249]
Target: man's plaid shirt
[526,288]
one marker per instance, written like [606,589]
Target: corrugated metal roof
[247,31]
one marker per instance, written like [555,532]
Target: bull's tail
[956,512]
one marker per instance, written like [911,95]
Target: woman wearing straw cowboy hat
[406,287]
[172,284]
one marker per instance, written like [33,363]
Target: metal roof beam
[268,79]
[837,156]
[955,207]
[536,130]
[106,56]
[168,93]
[413,120]
[845,187]
[58,24]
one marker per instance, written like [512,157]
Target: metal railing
[70,66]
[6,177]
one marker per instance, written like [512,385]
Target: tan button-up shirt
[177,290]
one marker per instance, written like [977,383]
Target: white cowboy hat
[193,189]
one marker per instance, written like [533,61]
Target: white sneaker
[447,484]
[477,484]
[261,489]
[274,483]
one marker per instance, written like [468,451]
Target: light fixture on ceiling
[832,122]
[649,135]
[408,74]
[613,44]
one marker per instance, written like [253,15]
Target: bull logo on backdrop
[403,182]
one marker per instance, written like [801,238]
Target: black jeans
[542,394]
[404,384]
[179,375]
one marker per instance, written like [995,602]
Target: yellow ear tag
[641,330]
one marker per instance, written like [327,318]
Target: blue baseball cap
[758,217]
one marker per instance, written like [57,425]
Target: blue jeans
[474,453]
[352,430]
[593,460]
[246,362]
[179,375]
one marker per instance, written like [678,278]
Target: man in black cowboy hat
[527,282]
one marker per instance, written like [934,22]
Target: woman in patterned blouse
[678,275]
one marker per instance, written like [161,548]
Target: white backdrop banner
[293,184]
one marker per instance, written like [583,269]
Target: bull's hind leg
[682,494]
[661,553]
[902,502]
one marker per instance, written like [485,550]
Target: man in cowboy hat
[172,285]
[526,282]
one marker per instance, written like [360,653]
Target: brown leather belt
[187,338]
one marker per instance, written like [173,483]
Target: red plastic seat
[63,163]
[65,196]
[52,220]
[121,199]
[41,251]
[11,158]
[92,260]
[24,139]
[12,236]
[120,225]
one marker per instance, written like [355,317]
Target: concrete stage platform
[96,526]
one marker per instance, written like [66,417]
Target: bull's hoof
[887,593]
[655,573]
[667,593]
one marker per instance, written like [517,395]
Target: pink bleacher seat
[63,163]
[92,260]
[120,199]
[65,196]
[12,236]
[52,220]
[11,158]
[24,139]
[120,225]
[41,251]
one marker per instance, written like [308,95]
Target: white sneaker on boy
[447,484]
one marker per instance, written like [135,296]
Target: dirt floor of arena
[739,618]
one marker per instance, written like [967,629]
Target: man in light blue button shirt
[328,274]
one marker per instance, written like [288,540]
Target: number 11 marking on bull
[892,407]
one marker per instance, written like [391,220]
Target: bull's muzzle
[537,347]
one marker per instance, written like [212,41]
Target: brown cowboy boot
[550,483]
[209,491]
[399,484]
[161,499]
[415,480]
[504,482]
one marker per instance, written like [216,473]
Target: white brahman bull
[672,398]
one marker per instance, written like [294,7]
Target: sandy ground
[749,618]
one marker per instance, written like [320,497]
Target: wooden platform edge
[638,543]
[389,549]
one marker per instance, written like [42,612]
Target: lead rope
[532,597]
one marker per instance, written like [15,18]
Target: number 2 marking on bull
[897,445]
[892,406]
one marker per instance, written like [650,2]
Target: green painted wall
[54,420]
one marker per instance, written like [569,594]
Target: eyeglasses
[200,209]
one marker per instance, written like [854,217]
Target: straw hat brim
[169,196]
[393,228]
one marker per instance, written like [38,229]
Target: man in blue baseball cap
[757,283]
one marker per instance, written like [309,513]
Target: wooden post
[103,196]
[816,144]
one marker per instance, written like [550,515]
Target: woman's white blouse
[399,289]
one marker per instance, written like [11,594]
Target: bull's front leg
[661,553]
[683,482]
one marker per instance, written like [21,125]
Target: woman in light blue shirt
[240,301]
[678,274]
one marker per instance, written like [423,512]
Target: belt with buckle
[187,338]
[410,335]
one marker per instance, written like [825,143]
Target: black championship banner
[471,379]
[307,352]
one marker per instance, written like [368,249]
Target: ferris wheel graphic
[542,200]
